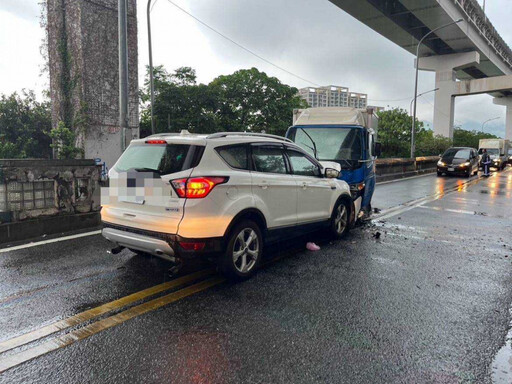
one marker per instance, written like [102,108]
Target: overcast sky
[312,39]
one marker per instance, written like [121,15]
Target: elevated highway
[467,51]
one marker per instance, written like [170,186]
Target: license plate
[132,199]
[451,169]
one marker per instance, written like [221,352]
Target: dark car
[458,161]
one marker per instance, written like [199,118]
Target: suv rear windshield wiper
[145,170]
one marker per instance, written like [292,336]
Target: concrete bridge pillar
[507,102]
[444,102]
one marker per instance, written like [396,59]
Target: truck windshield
[490,151]
[342,145]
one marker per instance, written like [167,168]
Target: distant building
[375,108]
[333,96]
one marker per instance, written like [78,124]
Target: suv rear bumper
[160,244]
[142,243]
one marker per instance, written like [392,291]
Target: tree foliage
[247,100]
[395,136]
[64,142]
[463,138]
[23,125]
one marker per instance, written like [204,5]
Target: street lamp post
[151,83]
[421,94]
[413,130]
[486,121]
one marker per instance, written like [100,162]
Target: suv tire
[340,219]
[243,252]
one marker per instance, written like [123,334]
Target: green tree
[464,138]
[23,125]
[249,100]
[395,135]
[180,103]
[395,132]
[64,142]
[428,144]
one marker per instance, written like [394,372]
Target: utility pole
[123,70]
[151,80]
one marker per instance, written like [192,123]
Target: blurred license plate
[451,169]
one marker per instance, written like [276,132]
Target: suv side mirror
[378,149]
[332,173]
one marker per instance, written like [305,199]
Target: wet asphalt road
[427,302]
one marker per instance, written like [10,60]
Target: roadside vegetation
[395,135]
[246,100]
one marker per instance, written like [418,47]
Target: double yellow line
[11,360]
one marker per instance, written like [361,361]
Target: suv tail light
[196,187]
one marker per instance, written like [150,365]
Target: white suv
[225,195]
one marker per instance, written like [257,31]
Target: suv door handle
[263,185]
[304,185]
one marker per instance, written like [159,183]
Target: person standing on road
[486,162]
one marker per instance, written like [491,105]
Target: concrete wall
[84,88]
[32,189]
[392,169]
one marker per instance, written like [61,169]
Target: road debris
[312,247]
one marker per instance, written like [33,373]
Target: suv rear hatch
[140,194]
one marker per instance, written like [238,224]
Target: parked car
[510,156]
[458,161]
[224,195]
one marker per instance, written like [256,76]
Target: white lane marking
[405,178]
[472,213]
[49,241]
[386,214]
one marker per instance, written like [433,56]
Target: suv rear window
[162,159]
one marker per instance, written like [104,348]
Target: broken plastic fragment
[312,247]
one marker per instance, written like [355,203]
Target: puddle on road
[502,363]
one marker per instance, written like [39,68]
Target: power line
[241,46]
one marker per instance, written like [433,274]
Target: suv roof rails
[225,134]
[183,132]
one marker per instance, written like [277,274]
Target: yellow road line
[98,311]
[109,322]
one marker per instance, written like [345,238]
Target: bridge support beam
[507,102]
[444,103]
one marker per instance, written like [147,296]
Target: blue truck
[346,136]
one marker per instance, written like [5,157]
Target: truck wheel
[243,252]
[340,224]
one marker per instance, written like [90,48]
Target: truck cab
[343,136]
[497,150]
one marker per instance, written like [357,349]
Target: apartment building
[333,96]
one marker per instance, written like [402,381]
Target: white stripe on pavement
[404,178]
[70,237]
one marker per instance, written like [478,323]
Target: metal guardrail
[477,17]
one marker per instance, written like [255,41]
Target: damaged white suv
[223,195]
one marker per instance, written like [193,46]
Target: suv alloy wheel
[340,223]
[243,251]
